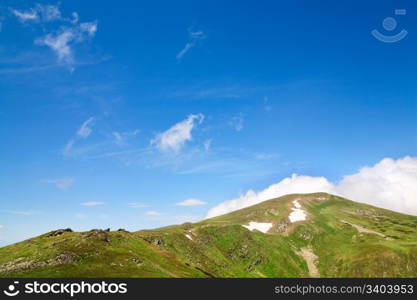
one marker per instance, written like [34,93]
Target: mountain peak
[297,235]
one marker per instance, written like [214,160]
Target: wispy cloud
[137,205]
[20,212]
[152,213]
[267,106]
[92,203]
[265,155]
[86,128]
[61,42]
[81,215]
[207,144]
[187,218]
[120,138]
[195,36]
[24,16]
[75,17]
[83,132]
[60,183]
[1,226]
[39,13]
[237,122]
[173,139]
[191,202]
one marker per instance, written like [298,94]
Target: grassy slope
[221,247]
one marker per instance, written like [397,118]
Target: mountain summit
[298,235]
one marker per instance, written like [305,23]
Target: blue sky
[113,115]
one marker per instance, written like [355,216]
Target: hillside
[312,235]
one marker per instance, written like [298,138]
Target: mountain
[299,235]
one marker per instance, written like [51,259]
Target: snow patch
[262,227]
[188,236]
[298,214]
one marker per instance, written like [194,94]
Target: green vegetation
[339,238]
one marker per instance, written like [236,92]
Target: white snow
[262,227]
[188,236]
[298,214]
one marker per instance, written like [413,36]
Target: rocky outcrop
[58,232]
[20,264]
[99,234]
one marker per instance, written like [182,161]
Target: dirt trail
[310,258]
[363,229]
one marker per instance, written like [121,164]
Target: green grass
[221,247]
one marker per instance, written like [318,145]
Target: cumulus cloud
[289,185]
[195,36]
[86,128]
[390,184]
[173,139]
[92,203]
[61,183]
[191,202]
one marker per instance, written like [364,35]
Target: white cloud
[61,183]
[88,27]
[44,13]
[80,215]
[195,37]
[152,213]
[289,185]
[390,184]
[1,226]
[20,212]
[75,17]
[118,138]
[68,147]
[237,122]
[175,137]
[86,128]
[92,203]
[191,202]
[49,12]
[61,42]
[137,205]
[24,16]
[83,132]
[121,137]
[207,144]
[187,218]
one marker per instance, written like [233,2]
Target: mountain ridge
[327,236]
